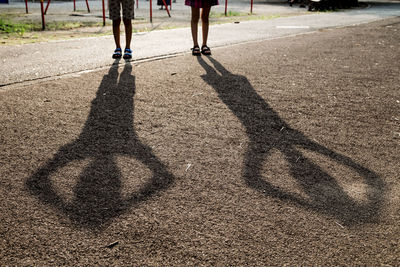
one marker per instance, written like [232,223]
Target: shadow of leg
[267,131]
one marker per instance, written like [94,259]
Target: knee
[116,22]
[127,22]
[195,18]
[204,18]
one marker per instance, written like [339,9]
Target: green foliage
[7,26]
[228,14]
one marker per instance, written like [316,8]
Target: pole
[151,13]
[41,9]
[251,7]
[104,14]
[26,6]
[74,6]
[166,7]
[226,6]
[87,4]
[47,6]
[137,3]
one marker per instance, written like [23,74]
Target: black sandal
[205,50]
[128,53]
[196,51]
[117,53]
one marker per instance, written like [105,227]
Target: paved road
[35,61]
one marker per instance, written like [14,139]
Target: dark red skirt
[201,3]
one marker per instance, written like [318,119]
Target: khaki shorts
[128,11]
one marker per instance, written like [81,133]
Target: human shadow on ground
[267,133]
[107,134]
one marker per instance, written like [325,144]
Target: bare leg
[128,32]
[194,23]
[204,23]
[116,24]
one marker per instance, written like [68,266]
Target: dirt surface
[267,153]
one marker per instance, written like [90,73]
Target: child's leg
[116,24]
[194,23]
[128,32]
[204,23]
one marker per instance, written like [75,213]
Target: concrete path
[35,61]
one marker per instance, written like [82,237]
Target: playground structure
[44,9]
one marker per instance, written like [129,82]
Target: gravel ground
[275,152]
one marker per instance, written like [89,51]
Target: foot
[127,53]
[117,53]
[196,51]
[205,50]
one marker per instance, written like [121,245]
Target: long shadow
[108,133]
[267,132]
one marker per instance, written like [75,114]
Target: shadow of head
[322,191]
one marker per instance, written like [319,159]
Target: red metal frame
[47,6]
[87,4]
[151,12]
[44,10]
[41,9]
[48,3]
[104,14]
[166,7]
